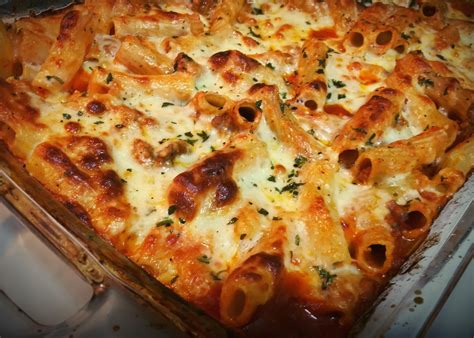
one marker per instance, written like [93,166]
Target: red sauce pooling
[336,109]
[324,34]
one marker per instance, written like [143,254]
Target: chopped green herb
[79,113]
[257,11]
[174,279]
[328,96]
[365,3]
[422,81]
[441,57]
[282,107]
[405,36]
[254,34]
[269,65]
[258,104]
[232,220]
[326,277]
[98,122]
[242,236]
[119,126]
[203,135]
[216,275]
[129,170]
[53,77]
[204,259]
[299,161]
[172,209]
[275,218]
[188,134]
[191,141]
[166,104]
[182,220]
[271,178]
[397,119]
[297,240]
[292,173]
[341,96]
[338,84]
[320,71]
[109,78]
[263,212]
[322,63]
[292,188]
[283,95]
[360,130]
[67,116]
[165,222]
[369,141]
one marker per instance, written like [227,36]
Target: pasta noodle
[400,156]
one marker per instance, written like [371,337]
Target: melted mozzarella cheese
[367,202]
[261,183]
[344,88]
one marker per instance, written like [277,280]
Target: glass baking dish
[404,309]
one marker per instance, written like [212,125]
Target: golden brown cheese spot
[143,152]
[230,77]
[95,107]
[237,61]
[14,106]
[203,7]
[448,93]
[170,150]
[73,127]
[111,183]
[378,105]
[97,194]
[271,263]
[128,116]
[90,152]
[448,36]
[57,158]
[213,173]
[263,89]
[68,22]
[183,63]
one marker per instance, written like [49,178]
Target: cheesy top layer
[220,194]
